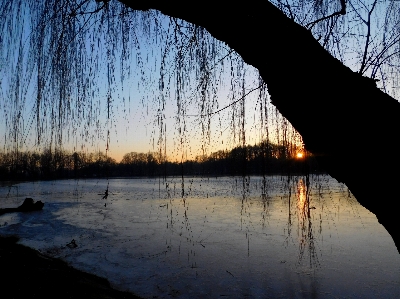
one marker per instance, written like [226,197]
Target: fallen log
[29,205]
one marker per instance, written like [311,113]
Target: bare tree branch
[363,67]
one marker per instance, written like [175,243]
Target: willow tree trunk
[348,123]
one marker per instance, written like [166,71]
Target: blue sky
[137,103]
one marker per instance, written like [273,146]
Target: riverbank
[25,273]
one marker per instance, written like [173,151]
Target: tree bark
[344,119]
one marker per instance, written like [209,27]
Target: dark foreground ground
[25,273]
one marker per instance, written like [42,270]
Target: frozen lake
[225,237]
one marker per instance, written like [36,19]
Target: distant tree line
[264,158]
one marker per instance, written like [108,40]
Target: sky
[120,108]
[134,125]
[132,121]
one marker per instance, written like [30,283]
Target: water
[225,237]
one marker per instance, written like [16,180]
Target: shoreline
[26,272]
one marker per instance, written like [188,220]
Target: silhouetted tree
[330,105]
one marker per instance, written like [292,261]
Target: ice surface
[224,237]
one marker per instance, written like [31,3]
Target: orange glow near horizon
[299,155]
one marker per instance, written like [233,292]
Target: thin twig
[233,103]
[337,13]
[363,63]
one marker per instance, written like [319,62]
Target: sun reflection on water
[306,235]
[302,203]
